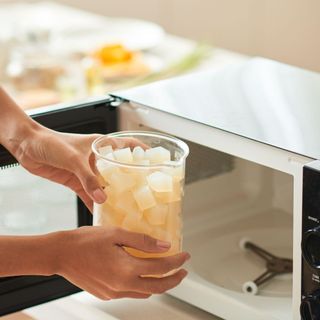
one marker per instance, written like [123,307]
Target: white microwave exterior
[194,289]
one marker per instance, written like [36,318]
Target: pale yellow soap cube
[127,204]
[121,182]
[107,171]
[109,216]
[135,223]
[168,197]
[111,196]
[160,182]
[144,197]
[157,215]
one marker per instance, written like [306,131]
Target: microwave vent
[203,162]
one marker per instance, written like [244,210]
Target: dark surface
[310,286]
[17,293]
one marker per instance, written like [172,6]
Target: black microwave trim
[17,293]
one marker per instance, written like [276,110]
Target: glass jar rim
[132,133]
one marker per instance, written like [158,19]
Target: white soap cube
[138,154]
[103,151]
[123,155]
[157,155]
[157,215]
[144,197]
[160,182]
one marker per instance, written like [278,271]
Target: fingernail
[99,196]
[163,244]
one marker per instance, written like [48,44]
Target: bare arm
[94,259]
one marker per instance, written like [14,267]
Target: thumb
[140,241]
[90,183]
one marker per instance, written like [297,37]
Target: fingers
[103,292]
[140,241]
[132,142]
[158,285]
[160,266]
[90,182]
[119,143]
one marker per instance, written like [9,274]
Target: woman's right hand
[93,258]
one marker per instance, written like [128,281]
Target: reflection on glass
[31,205]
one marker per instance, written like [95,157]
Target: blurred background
[50,53]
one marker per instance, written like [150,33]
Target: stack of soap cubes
[144,190]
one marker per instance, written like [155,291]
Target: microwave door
[51,206]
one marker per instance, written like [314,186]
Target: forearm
[30,255]
[15,123]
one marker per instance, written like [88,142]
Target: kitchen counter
[83,306]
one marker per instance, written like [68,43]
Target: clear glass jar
[144,188]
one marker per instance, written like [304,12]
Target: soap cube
[107,170]
[160,182]
[111,196]
[174,170]
[123,155]
[157,155]
[127,204]
[144,197]
[104,151]
[120,181]
[157,215]
[138,154]
[135,223]
[173,196]
[109,216]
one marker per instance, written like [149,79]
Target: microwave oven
[252,196]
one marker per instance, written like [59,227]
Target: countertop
[83,306]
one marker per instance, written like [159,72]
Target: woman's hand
[93,258]
[62,158]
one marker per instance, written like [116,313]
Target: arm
[93,258]
[63,158]
[15,124]
[60,157]
[29,255]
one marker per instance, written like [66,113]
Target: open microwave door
[98,116]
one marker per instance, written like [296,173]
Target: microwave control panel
[310,295]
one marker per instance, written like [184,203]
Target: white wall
[285,30]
